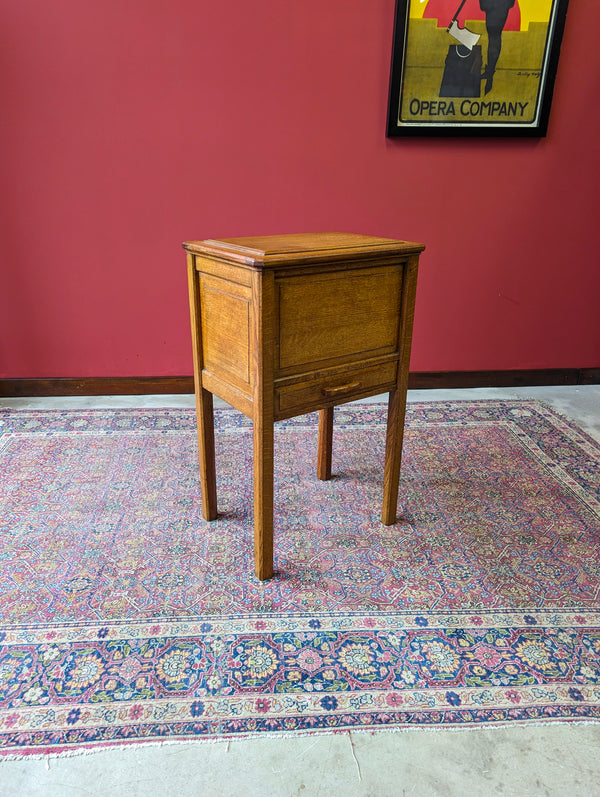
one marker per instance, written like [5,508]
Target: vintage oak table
[284,325]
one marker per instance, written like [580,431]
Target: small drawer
[336,388]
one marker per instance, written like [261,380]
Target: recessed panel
[225,309]
[334,316]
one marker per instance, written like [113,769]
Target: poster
[474,67]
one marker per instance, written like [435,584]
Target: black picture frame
[439,85]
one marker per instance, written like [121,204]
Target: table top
[273,251]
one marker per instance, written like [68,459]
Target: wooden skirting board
[426,380]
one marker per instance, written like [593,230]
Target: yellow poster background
[518,79]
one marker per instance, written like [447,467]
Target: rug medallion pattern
[127,618]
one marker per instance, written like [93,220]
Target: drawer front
[335,389]
[327,318]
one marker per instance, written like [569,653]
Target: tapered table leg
[397,402]
[204,403]
[393,455]
[325,443]
[263,498]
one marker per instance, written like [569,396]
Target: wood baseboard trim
[136,385]
[96,386]
[521,378]
[148,385]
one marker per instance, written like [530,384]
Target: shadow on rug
[125,617]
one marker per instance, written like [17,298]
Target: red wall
[129,126]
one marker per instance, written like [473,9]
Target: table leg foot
[206,449]
[325,444]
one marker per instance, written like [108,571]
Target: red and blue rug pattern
[125,617]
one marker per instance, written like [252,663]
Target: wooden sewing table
[284,325]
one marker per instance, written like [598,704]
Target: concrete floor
[535,760]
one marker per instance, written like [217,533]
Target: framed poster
[474,67]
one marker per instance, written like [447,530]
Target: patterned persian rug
[125,617]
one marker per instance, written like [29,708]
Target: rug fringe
[274,736]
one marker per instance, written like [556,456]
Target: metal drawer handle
[331,391]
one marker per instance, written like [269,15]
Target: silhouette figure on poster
[496,14]
[462,70]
